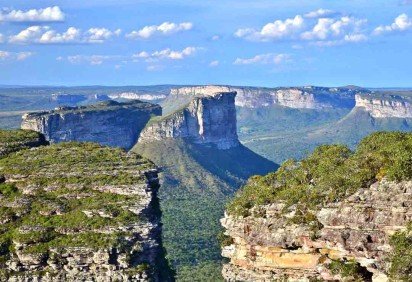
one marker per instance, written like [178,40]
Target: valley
[242,135]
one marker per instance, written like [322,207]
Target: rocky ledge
[387,106]
[79,212]
[109,123]
[335,216]
[15,140]
[205,120]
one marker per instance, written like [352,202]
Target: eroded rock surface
[309,97]
[385,107]
[109,123]
[268,245]
[205,120]
[79,212]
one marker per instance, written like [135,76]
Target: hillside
[79,211]
[16,140]
[331,216]
[194,191]
[202,165]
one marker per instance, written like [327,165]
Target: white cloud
[4,55]
[321,13]
[264,59]
[142,54]
[271,31]
[17,56]
[2,38]
[92,59]
[215,37]
[327,28]
[45,35]
[214,63]
[401,23]
[49,14]
[173,55]
[154,68]
[165,28]
[99,35]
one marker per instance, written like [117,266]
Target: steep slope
[199,173]
[79,212]
[335,216]
[96,123]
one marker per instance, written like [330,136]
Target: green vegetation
[192,198]
[15,140]
[401,259]
[66,199]
[329,174]
[349,269]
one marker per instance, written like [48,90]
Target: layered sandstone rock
[109,123]
[385,107]
[297,97]
[79,212]
[205,120]
[268,245]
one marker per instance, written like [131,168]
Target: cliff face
[67,215]
[205,120]
[298,98]
[357,229]
[108,123]
[335,216]
[384,107]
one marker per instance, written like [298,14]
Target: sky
[233,42]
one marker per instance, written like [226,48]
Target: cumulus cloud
[165,28]
[214,63]
[326,28]
[264,59]
[16,56]
[49,14]
[321,13]
[45,35]
[171,54]
[401,23]
[277,30]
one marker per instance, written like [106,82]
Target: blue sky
[260,43]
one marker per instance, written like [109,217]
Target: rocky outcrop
[385,107]
[16,140]
[138,96]
[108,123]
[79,212]
[268,246]
[205,120]
[309,97]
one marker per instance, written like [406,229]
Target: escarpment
[385,107]
[309,97]
[335,216]
[79,212]
[205,120]
[109,123]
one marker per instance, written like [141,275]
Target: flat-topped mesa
[385,106]
[309,97]
[205,120]
[109,123]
